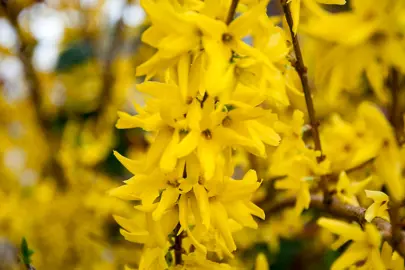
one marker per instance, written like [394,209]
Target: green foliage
[26,252]
[169,258]
[76,54]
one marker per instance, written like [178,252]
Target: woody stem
[348,212]
[232,11]
[395,119]
[302,73]
[177,246]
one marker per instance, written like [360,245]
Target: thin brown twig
[347,212]
[232,11]
[302,73]
[333,176]
[395,119]
[177,246]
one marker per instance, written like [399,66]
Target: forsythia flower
[347,190]
[379,207]
[206,105]
[365,245]
[369,35]
[293,153]
[388,163]
[392,260]
[347,144]
[296,6]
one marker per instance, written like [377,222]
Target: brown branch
[348,212]
[302,73]
[395,119]
[333,176]
[177,246]
[232,11]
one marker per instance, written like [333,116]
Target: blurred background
[66,68]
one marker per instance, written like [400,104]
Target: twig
[177,246]
[361,165]
[395,119]
[232,11]
[347,212]
[302,72]
[333,176]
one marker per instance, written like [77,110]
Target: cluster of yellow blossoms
[223,168]
[222,92]
[204,107]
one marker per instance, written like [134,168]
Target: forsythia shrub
[221,81]
[251,134]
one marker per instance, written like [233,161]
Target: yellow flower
[212,129]
[142,229]
[347,144]
[221,42]
[172,36]
[228,202]
[347,190]
[387,163]
[365,244]
[295,6]
[299,187]
[392,260]
[379,207]
[369,40]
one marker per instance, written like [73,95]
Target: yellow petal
[207,154]
[256,210]
[377,196]
[130,164]
[220,219]
[183,67]
[295,6]
[169,159]
[156,231]
[141,237]
[243,25]
[183,217]
[376,261]
[188,144]
[353,254]
[168,200]
[203,204]
[375,75]
[157,147]
[239,212]
[342,228]
[124,193]
[127,121]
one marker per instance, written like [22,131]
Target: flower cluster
[263,134]
[219,84]
[206,105]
